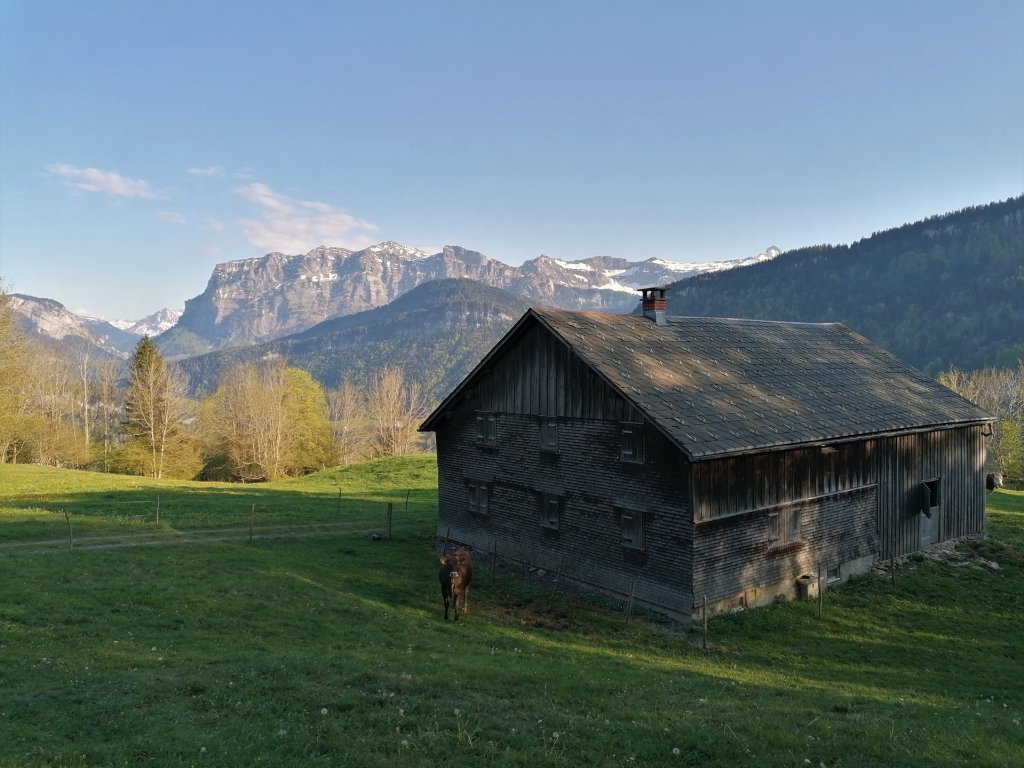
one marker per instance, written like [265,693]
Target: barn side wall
[737,566]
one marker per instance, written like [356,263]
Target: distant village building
[686,458]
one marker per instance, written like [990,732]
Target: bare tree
[395,408]
[1000,392]
[347,414]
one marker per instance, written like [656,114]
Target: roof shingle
[718,386]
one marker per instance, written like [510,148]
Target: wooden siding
[742,483]
[956,457]
[595,487]
[733,558]
[541,375]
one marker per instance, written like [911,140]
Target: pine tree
[153,408]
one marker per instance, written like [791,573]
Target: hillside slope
[948,290]
[435,333]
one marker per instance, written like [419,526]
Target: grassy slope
[227,654]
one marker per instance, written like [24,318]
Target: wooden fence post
[494,558]
[704,621]
[821,591]
[629,605]
[558,576]
[71,537]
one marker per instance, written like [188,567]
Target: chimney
[654,305]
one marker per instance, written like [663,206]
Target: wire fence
[261,514]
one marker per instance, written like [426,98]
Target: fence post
[821,592]
[71,538]
[629,605]
[558,576]
[494,557]
[704,621]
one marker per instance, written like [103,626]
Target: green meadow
[267,625]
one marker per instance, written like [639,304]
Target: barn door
[929,517]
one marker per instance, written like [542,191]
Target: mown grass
[331,651]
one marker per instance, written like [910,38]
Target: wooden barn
[686,458]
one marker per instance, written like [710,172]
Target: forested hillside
[435,333]
[946,291]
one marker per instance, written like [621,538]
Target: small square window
[633,442]
[550,510]
[832,575]
[929,495]
[632,523]
[479,496]
[549,435]
[783,527]
[486,428]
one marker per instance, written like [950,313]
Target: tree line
[262,422]
[268,420]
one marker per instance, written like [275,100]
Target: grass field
[328,648]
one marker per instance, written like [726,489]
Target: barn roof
[718,386]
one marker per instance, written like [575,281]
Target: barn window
[550,510]
[486,428]
[479,496]
[633,442]
[632,523]
[929,496]
[549,435]
[783,526]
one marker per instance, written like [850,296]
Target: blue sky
[141,143]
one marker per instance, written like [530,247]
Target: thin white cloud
[96,180]
[171,216]
[210,170]
[295,226]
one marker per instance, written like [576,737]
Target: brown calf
[455,575]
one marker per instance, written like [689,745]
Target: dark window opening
[550,510]
[479,496]
[487,428]
[549,435]
[929,496]
[633,442]
[632,523]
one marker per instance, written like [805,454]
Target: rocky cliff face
[256,300]
[51,322]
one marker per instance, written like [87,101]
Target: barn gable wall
[595,488]
[540,375]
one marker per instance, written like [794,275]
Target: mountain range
[939,292]
[251,301]
[58,327]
